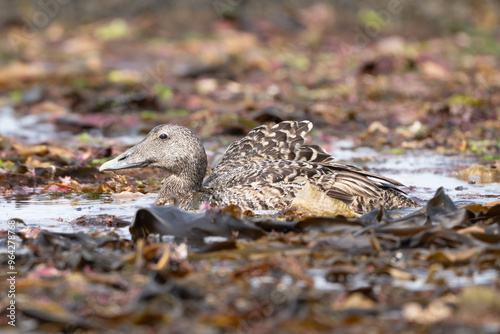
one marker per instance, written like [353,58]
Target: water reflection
[419,283]
[56,211]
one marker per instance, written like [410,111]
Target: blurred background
[399,73]
[418,19]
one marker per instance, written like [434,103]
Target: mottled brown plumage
[262,171]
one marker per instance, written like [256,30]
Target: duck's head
[172,147]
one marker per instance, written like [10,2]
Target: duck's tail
[391,199]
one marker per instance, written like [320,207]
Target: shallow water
[55,213]
[420,283]
[423,172]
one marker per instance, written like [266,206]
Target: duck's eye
[163,136]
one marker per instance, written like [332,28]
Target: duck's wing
[357,172]
[280,180]
[274,147]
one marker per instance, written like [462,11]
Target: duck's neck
[177,191]
[180,189]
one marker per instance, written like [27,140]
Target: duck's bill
[124,161]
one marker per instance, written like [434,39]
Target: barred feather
[270,165]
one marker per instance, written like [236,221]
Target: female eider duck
[262,171]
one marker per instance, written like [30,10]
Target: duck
[265,170]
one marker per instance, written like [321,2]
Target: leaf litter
[223,270]
[374,259]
